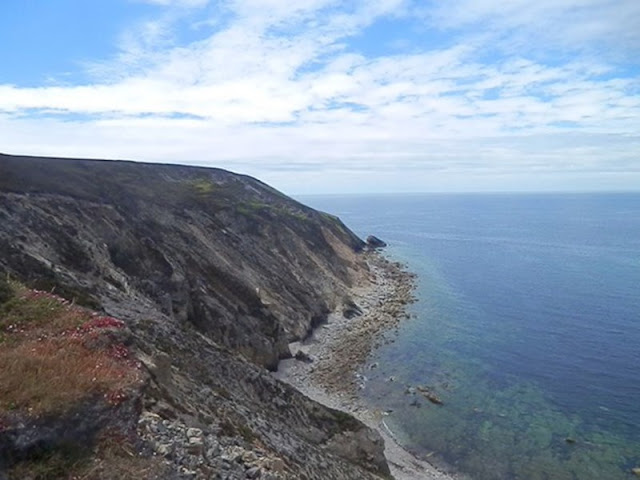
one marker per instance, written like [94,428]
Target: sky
[325,96]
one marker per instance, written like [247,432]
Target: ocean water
[527,326]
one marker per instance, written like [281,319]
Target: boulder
[303,357]
[351,310]
[374,242]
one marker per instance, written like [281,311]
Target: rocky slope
[213,274]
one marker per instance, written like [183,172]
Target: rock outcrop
[213,274]
[374,242]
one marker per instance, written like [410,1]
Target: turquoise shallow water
[527,326]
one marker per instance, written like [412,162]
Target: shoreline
[329,362]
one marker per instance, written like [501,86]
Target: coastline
[329,362]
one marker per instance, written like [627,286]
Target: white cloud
[276,88]
[607,26]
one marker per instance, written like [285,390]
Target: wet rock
[430,395]
[374,242]
[636,471]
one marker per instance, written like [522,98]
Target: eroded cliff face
[241,262]
[213,274]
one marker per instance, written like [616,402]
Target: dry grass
[47,363]
[44,377]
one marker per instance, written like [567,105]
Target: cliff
[207,276]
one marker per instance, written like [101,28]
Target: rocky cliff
[212,274]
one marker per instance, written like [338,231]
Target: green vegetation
[34,309]
[6,292]
[247,434]
[332,218]
[202,186]
[298,215]
[279,210]
[251,208]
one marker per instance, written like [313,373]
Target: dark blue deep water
[527,326]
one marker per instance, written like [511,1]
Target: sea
[526,326]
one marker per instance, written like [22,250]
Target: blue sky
[324,96]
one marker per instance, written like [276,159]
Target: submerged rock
[430,395]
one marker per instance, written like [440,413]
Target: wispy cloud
[281,89]
[546,27]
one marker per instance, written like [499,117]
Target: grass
[54,354]
[46,376]
[251,208]
[202,186]
[6,292]
[36,310]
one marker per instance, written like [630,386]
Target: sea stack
[374,242]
